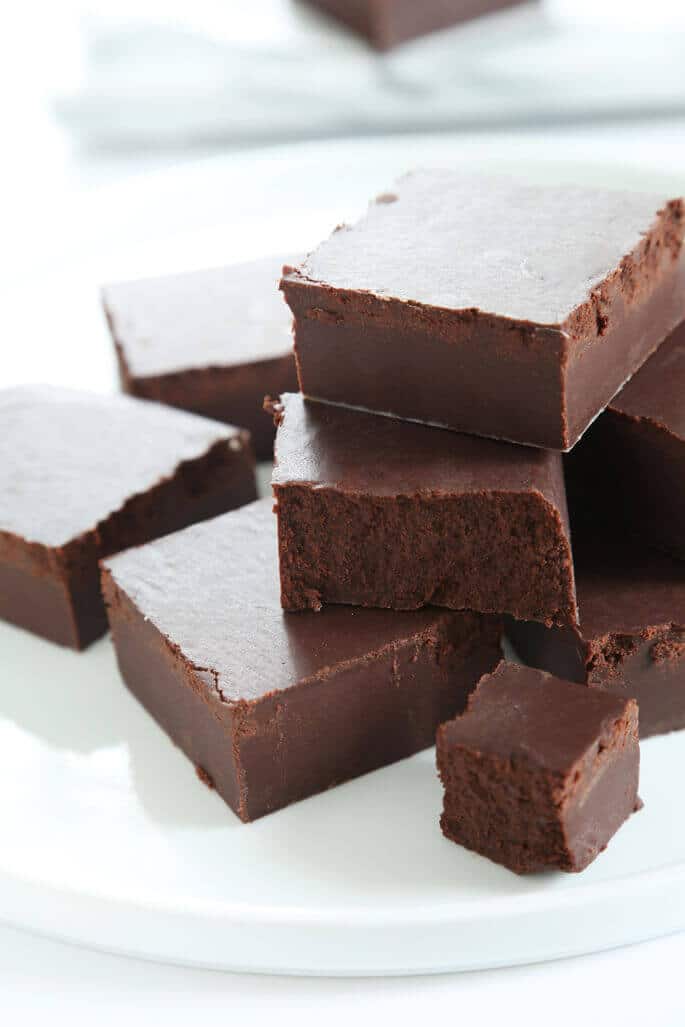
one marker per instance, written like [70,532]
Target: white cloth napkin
[173,73]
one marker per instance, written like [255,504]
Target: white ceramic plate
[108,838]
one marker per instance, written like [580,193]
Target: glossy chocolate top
[216,318]
[331,446]
[213,590]
[69,459]
[657,391]
[626,588]
[522,712]
[523,252]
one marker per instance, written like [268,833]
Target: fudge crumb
[612,652]
[667,649]
[205,777]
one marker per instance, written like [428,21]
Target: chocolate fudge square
[387,23]
[629,469]
[538,773]
[630,641]
[374,511]
[83,476]
[270,707]
[489,306]
[212,342]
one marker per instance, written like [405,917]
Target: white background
[45,982]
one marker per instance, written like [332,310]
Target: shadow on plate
[77,703]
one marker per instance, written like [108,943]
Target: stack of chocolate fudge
[512,315]
[463,460]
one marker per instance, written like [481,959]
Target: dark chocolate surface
[527,253]
[213,590]
[211,342]
[69,459]
[272,707]
[331,447]
[487,306]
[220,317]
[631,637]
[623,589]
[84,476]
[539,773]
[523,711]
[374,511]
[657,392]
[629,469]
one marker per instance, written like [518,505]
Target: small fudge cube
[213,342]
[489,306]
[83,476]
[538,773]
[629,468]
[373,511]
[271,707]
[630,639]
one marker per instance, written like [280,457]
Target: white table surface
[42,981]
[45,982]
